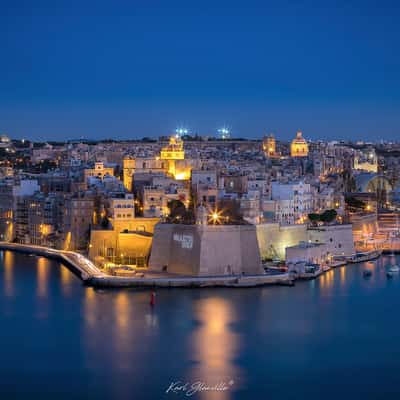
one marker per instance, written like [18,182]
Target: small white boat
[394,268]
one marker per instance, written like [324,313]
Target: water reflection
[151,320]
[66,279]
[342,275]
[43,265]
[119,347]
[215,346]
[122,316]
[392,261]
[90,307]
[8,262]
[326,281]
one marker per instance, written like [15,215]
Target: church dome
[4,139]
[299,146]
[299,138]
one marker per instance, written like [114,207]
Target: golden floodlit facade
[174,150]
[269,146]
[299,146]
[128,170]
[174,154]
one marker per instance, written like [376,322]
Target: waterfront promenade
[93,276]
[79,264]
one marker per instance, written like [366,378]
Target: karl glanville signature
[191,388]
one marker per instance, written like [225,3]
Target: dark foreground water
[334,338]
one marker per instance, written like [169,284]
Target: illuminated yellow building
[299,146]
[127,243]
[174,150]
[269,146]
[174,154]
[100,170]
[128,170]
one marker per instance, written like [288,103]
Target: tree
[328,216]
[355,204]
[179,214]
[176,209]
[314,218]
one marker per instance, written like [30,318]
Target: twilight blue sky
[128,69]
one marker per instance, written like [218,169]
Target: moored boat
[365,256]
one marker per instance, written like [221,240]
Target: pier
[79,264]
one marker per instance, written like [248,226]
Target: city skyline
[199,199]
[86,70]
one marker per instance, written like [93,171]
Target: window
[110,252]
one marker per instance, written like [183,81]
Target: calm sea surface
[337,337]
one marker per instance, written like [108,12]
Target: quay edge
[192,282]
[92,276]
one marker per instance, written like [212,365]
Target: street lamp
[215,217]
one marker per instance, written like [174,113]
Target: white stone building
[293,201]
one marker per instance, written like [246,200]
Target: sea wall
[124,247]
[337,238]
[273,238]
[364,224]
[309,252]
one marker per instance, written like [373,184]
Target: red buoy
[152,299]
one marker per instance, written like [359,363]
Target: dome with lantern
[299,146]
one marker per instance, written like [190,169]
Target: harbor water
[334,337]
